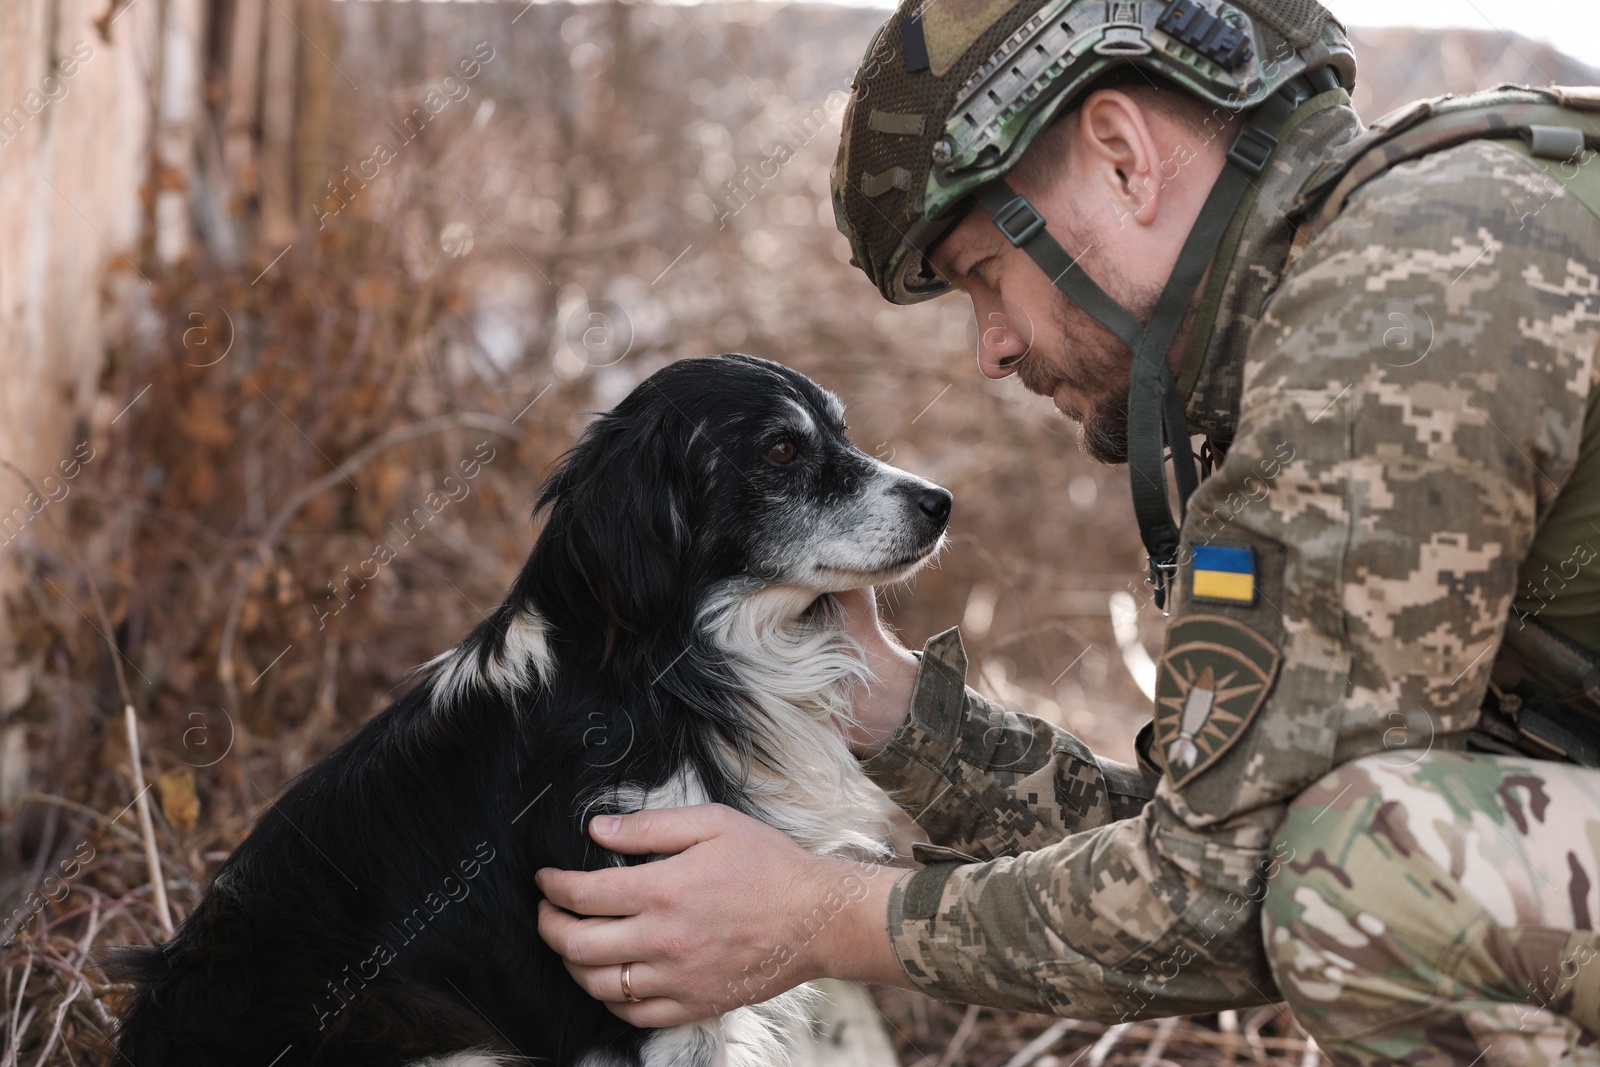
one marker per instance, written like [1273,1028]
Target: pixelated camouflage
[1240,280]
[1004,783]
[1411,399]
[1439,909]
[1553,120]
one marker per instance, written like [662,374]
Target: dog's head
[725,472]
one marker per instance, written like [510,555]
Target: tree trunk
[74,132]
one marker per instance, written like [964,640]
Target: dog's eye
[783,452]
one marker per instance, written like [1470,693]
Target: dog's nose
[935,503]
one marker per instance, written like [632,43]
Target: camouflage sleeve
[1346,576]
[982,781]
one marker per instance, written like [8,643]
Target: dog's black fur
[383,911]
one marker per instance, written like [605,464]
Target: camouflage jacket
[1406,401]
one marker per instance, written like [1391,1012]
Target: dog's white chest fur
[797,677]
[809,785]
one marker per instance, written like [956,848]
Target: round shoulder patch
[1214,677]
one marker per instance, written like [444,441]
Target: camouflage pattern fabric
[1439,909]
[985,782]
[1411,402]
[1047,864]
[1248,265]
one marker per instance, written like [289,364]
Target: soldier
[1366,788]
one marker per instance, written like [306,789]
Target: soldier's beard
[1099,371]
[1103,433]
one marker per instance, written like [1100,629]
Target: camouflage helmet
[952,92]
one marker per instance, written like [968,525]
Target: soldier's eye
[783,452]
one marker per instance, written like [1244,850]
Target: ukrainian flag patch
[1225,575]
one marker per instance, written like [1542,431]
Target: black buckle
[1014,210]
[1252,148]
[1323,79]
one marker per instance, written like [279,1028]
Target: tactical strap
[1544,697]
[1156,419]
[1554,122]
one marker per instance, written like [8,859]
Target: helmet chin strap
[1155,410]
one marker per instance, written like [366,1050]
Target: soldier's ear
[1117,138]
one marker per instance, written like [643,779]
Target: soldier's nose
[1000,350]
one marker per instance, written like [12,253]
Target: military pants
[1441,909]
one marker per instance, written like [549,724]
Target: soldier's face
[1027,327]
[1097,187]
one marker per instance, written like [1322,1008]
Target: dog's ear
[619,520]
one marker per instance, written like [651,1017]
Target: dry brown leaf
[202,422]
[178,800]
[286,588]
[181,675]
[202,483]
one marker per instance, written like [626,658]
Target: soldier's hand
[735,914]
[882,706]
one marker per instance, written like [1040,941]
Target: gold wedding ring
[627,984]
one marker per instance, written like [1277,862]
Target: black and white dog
[670,640]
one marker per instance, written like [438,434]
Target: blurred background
[270,270]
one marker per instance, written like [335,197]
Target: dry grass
[929,1033]
[58,1007]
